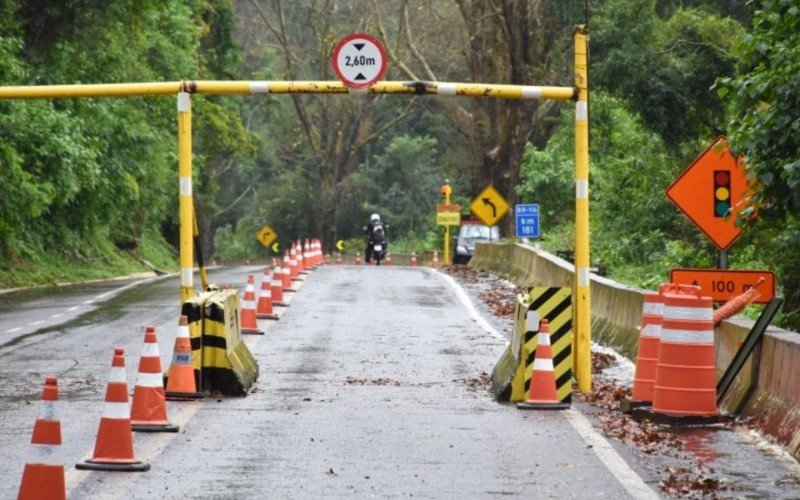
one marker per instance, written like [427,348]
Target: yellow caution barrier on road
[221,359]
[511,376]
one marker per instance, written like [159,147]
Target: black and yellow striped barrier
[512,374]
[222,361]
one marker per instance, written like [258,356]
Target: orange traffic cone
[113,449]
[181,382]
[319,257]
[542,393]
[647,356]
[149,411]
[276,286]
[264,307]
[248,320]
[388,259]
[358,259]
[413,259]
[286,277]
[435,261]
[339,258]
[43,477]
[686,383]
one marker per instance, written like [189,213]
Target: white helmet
[374,218]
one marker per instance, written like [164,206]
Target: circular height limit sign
[359,60]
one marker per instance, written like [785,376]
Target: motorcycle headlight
[461,249]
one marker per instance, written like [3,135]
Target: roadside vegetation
[89,186]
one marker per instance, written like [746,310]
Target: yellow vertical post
[186,205]
[446,190]
[583,315]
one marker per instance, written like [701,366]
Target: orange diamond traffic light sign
[711,192]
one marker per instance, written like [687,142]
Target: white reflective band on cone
[149,379]
[544,339]
[653,308]
[651,330]
[181,358]
[259,88]
[150,349]
[117,411]
[276,283]
[690,313]
[687,336]
[446,89]
[183,332]
[248,304]
[544,365]
[45,454]
[48,410]
[186,276]
[117,374]
[531,92]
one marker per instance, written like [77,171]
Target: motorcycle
[377,247]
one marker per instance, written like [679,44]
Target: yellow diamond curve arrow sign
[266,236]
[489,206]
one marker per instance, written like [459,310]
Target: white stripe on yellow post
[583,316]
[186,207]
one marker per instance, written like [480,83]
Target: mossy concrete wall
[768,392]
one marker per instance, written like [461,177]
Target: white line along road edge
[600,445]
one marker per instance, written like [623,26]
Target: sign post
[359,60]
[447,215]
[527,220]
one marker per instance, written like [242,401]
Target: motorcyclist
[375,230]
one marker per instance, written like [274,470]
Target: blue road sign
[527,217]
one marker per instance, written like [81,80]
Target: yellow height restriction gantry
[185,88]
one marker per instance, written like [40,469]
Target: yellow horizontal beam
[90,90]
[286,87]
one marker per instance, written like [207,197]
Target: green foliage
[664,67]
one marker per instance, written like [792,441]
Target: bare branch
[413,48]
[391,53]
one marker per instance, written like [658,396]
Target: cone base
[640,414]
[281,304]
[184,396]
[250,331]
[113,466]
[526,405]
[267,316]
[155,427]
[303,273]
[287,290]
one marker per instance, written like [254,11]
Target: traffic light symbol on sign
[722,193]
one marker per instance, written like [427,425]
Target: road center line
[14,329]
[73,308]
[600,445]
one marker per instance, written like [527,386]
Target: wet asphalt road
[368,388]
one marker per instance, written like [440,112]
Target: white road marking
[14,330]
[609,456]
[37,322]
[117,290]
[56,316]
[600,445]
[89,301]
[73,308]
[464,298]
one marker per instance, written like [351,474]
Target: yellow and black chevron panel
[228,366]
[193,310]
[507,375]
[554,305]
